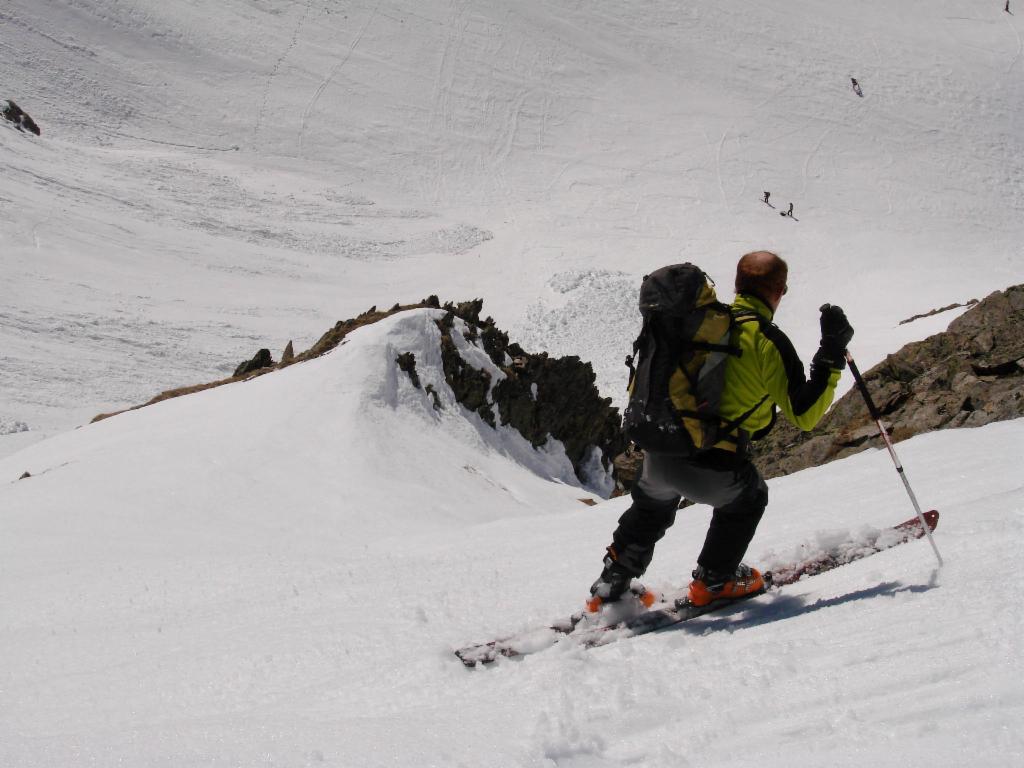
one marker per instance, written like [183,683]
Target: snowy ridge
[327,430]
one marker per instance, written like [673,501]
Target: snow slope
[276,572]
[214,178]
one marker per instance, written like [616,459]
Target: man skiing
[767,373]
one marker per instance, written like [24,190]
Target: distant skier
[19,117]
[767,373]
[789,212]
[1007,8]
[766,196]
[856,86]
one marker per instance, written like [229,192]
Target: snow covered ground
[274,573]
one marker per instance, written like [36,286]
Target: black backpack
[677,369]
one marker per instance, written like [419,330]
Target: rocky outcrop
[539,396]
[407,362]
[543,396]
[335,335]
[969,375]
[19,117]
[471,385]
[938,311]
[261,360]
[289,353]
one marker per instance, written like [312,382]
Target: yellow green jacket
[768,368]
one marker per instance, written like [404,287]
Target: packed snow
[276,572]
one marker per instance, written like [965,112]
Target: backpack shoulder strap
[746,315]
[640,340]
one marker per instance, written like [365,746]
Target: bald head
[763,274]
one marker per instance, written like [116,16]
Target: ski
[628,619]
[854,548]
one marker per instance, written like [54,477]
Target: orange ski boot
[708,586]
[614,582]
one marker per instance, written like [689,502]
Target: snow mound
[346,437]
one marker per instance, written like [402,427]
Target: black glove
[836,333]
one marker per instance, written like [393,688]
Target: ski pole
[873,410]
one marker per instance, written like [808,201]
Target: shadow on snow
[759,613]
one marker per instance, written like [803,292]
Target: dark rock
[467,310]
[1009,368]
[495,343]
[567,406]
[628,466]
[446,323]
[407,362]
[261,360]
[940,310]
[539,396]
[438,406]
[469,384]
[288,355]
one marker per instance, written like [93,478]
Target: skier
[766,374]
[766,196]
[856,87]
[1007,8]
[789,212]
[19,117]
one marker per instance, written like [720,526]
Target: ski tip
[594,604]
[467,662]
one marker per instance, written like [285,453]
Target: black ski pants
[730,484]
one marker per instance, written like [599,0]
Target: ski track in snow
[335,70]
[276,69]
[1020,47]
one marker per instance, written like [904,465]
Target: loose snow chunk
[10,427]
